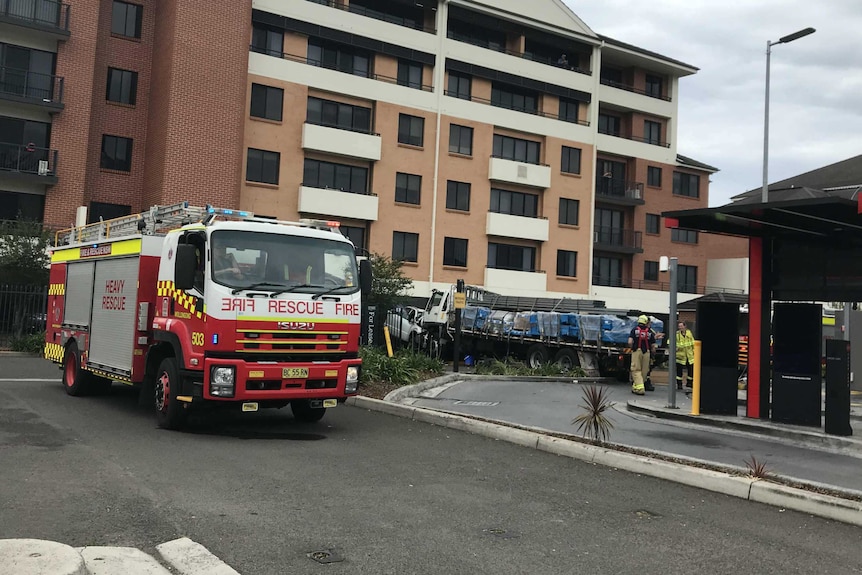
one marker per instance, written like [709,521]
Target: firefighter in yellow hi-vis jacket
[642,342]
[684,354]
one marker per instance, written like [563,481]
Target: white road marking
[189,558]
[14,379]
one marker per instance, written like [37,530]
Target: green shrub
[518,368]
[593,423]
[406,367]
[33,343]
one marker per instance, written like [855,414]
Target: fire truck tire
[76,381]
[567,359]
[302,411]
[537,355]
[170,413]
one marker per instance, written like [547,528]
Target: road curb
[417,388]
[186,557]
[821,505]
[37,557]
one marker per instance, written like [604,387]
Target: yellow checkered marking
[54,352]
[166,289]
[111,376]
[57,289]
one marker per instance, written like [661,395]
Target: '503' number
[197,338]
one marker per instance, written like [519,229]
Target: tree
[24,253]
[390,284]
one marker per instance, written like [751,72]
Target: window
[407,188]
[609,124]
[515,149]
[460,86]
[652,132]
[653,224]
[411,130]
[266,102]
[27,72]
[338,115]
[514,203]
[683,236]
[569,211]
[327,175]
[460,140]
[122,86]
[126,19]
[687,279]
[262,166]
[611,76]
[458,196]
[405,246]
[567,263]
[653,176]
[571,163]
[686,185]
[267,41]
[568,110]
[507,97]
[116,153]
[355,234]
[509,257]
[409,74]
[455,252]
[341,58]
[103,211]
[651,271]
[16,206]
[607,271]
[653,86]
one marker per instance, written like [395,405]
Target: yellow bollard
[388,340]
[695,384]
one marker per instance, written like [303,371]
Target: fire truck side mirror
[365,276]
[185,266]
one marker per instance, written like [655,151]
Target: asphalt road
[390,495]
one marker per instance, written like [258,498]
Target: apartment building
[521,152]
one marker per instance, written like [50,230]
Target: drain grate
[501,533]
[326,556]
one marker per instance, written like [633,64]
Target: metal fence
[22,311]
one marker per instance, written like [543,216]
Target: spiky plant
[756,468]
[594,423]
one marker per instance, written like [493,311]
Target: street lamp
[769,44]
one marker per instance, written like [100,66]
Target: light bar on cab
[228,212]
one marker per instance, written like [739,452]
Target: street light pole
[764,196]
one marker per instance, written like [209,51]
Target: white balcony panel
[341,142]
[637,102]
[635,149]
[508,282]
[349,22]
[337,204]
[516,65]
[628,298]
[519,173]
[509,226]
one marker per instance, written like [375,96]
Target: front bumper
[263,381]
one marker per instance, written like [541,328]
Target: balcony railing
[28,159]
[609,237]
[629,88]
[365,192]
[414,85]
[338,126]
[33,86]
[515,108]
[662,286]
[377,15]
[651,141]
[45,13]
[497,47]
[621,189]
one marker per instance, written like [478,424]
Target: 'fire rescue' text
[286,306]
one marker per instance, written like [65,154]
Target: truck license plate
[330,402]
[294,373]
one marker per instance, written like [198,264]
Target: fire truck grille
[291,342]
[321,384]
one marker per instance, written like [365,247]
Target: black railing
[652,141]
[499,157]
[22,311]
[414,85]
[339,127]
[498,47]
[610,236]
[28,159]
[514,108]
[48,13]
[683,287]
[514,269]
[365,192]
[614,188]
[377,15]
[42,88]
[629,88]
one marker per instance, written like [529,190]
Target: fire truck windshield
[278,262]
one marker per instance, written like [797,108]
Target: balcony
[508,226]
[31,88]
[341,142]
[28,163]
[651,141]
[619,192]
[619,240]
[337,203]
[377,10]
[629,88]
[49,17]
[516,282]
[519,173]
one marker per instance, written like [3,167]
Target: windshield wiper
[292,289]
[256,286]
[329,291]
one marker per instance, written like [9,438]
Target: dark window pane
[405,246]
[516,149]
[458,196]
[116,153]
[653,223]
[126,19]
[571,161]
[411,130]
[460,140]
[262,166]
[567,263]
[569,211]
[408,188]
[650,271]
[455,252]
[654,176]
[568,110]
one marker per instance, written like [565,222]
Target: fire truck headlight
[352,379]
[222,381]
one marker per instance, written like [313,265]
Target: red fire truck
[208,307]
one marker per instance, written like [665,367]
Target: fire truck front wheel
[302,411]
[77,381]
[170,413]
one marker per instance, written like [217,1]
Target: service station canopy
[814,244]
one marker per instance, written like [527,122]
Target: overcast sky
[816,81]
